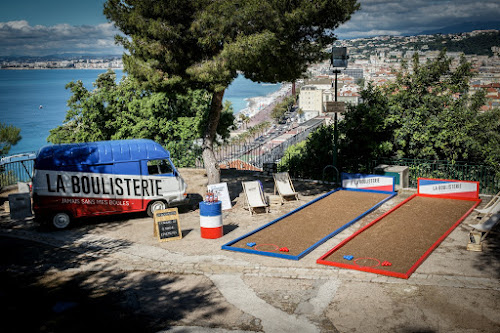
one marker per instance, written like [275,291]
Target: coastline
[20,102]
[56,68]
[259,108]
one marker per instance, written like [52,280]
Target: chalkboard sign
[166,224]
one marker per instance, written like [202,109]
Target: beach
[36,100]
[259,108]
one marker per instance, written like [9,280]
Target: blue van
[101,178]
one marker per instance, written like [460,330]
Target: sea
[36,100]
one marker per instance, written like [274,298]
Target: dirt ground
[418,225]
[304,228]
[113,270]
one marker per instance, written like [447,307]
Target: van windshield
[160,167]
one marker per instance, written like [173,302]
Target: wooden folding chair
[491,208]
[283,185]
[254,196]
[488,217]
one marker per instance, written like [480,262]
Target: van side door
[128,186]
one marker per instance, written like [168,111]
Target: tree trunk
[211,166]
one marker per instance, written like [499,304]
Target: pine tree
[174,44]
[9,136]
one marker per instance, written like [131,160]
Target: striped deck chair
[283,185]
[254,196]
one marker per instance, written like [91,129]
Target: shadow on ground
[233,178]
[40,294]
[490,256]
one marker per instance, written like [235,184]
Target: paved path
[134,256]
[287,296]
[272,319]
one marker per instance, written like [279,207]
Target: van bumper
[179,202]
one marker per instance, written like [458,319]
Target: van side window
[160,167]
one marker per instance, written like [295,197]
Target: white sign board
[453,188]
[368,182]
[222,194]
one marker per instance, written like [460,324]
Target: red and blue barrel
[211,219]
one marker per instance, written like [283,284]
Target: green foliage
[431,111]
[364,132]
[487,139]
[125,111]
[251,133]
[479,44]
[308,158]
[279,111]
[292,160]
[427,113]
[202,44]
[9,136]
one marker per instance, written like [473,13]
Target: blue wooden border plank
[348,224]
[228,246]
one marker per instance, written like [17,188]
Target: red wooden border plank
[406,275]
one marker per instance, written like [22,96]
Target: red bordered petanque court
[394,244]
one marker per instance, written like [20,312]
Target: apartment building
[314,95]
[311,101]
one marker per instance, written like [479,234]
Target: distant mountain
[61,56]
[452,29]
[462,27]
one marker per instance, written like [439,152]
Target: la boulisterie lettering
[445,187]
[101,186]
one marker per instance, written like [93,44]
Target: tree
[364,133]
[308,158]
[279,111]
[432,113]
[243,118]
[203,44]
[427,113]
[300,113]
[9,136]
[125,111]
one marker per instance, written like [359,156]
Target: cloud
[20,38]
[379,17]
[376,17]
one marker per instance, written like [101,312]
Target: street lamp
[339,59]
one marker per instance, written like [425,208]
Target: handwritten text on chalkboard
[166,225]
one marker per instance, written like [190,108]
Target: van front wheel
[61,221]
[154,206]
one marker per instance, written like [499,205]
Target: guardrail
[253,155]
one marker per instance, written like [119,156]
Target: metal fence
[253,155]
[246,156]
[488,177]
[14,172]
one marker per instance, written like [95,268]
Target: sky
[37,28]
